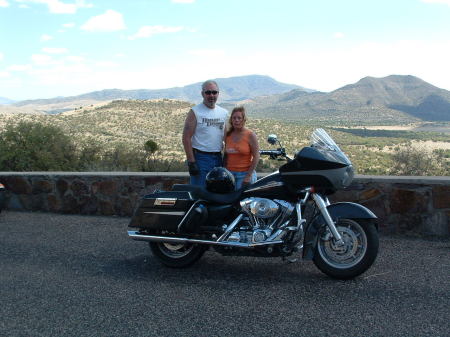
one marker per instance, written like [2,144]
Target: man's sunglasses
[211,92]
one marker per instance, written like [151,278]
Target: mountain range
[395,98]
[392,99]
[231,89]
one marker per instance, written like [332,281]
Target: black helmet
[220,180]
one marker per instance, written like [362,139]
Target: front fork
[322,205]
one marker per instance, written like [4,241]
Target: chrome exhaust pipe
[155,238]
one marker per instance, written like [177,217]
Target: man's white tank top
[208,135]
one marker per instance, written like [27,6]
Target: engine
[265,216]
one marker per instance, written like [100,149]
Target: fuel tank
[270,186]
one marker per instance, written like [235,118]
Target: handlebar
[270,152]
[274,154]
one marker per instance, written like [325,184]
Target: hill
[13,110]
[128,124]
[393,99]
[231,89]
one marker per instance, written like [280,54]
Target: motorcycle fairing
[324,169]
[345,210]
[310,158]
[331,180]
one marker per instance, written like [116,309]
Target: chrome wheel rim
[175,250]
[349,254]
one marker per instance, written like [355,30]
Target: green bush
[412,161]
[30,146]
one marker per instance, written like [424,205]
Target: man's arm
[188,131]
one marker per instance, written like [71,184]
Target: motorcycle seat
[200,192]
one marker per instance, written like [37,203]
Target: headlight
[348,176]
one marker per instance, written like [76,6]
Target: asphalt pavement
[70,275]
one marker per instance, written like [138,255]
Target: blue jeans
[239,178]
[205,162]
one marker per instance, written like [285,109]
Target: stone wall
[413,205]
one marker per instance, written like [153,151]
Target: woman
[241,149]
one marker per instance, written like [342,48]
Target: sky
[51,48]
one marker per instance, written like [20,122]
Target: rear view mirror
[272,139]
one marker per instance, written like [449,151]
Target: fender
[346,210]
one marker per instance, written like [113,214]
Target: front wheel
[358,253]
[177,255]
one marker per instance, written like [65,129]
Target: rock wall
[412,205]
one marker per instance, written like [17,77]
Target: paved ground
[64,275]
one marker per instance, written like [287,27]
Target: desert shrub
[89,157]
[414,161]
[30,146]
[122,158]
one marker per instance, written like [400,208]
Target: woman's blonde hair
[230,124]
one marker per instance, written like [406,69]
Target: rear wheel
[358,253]
[177,255]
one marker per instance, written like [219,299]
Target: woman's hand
[247,179]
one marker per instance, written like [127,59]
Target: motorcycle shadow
[218,269]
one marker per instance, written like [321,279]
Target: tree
[30,146]
[150,146]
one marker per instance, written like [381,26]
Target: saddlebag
[173,211]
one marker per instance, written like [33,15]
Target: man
[203,134]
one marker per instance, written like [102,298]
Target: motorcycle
[283,213]
[2,196]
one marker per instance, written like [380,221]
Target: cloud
[444,2]
[183,1]
[110,21]
[338,35]
[54,50]
[207,52]
[46,37]
[59,7]
[19,67]
[42,59]
[4,3]
[75,59]
[148,31]
[106,64]
[1,56]
[69,25]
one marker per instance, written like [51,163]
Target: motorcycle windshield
[327,146]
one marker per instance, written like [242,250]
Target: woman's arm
[254,148]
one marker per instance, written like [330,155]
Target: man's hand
[193,168]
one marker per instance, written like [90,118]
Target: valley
[378,122]
[130,123]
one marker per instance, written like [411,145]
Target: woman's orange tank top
[239,154]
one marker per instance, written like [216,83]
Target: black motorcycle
[282,213]
[2,196]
